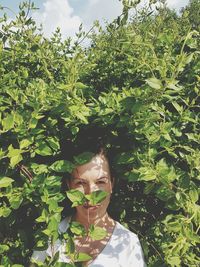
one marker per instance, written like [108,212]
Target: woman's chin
[91,208]
[93,212]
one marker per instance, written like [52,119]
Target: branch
[25,172]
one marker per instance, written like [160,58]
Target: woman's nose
[90,188]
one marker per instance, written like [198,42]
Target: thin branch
[5,7]
[86,35]
[29,8]
[25,172]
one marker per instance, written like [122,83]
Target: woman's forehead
[97,167]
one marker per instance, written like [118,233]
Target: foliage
[139,82]
[192,13]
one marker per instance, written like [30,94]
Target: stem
[5,7]
[181,54]
[85,35]
[25,172]
[29,8]
[197,229]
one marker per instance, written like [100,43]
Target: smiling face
[90,177]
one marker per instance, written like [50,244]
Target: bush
[138,83]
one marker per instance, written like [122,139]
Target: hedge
[137,82]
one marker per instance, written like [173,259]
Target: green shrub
[138,81]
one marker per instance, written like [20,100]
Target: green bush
[138,82]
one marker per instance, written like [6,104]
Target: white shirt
[122,250]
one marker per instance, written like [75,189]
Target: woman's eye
[101,182]
[79,183]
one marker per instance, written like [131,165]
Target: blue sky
[69,14]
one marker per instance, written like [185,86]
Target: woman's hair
[91,139]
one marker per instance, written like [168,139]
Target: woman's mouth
[91,207]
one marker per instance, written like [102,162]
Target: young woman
[119,247]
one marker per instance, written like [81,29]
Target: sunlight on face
[90,177]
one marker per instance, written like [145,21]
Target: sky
[69,14]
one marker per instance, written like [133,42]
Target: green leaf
[15,160]
[39,168]
[25,143]
[147,174]
[177,107]
[174,226]
[15,200]
[5,211]
[53,182]
[54,143]
[14,155]
[5,181]
[74,130]
[44,216]
[76,197]
[162,167]
[194,195]
[65,86]
[96,197]
[80,116]
[164,193]
[3,248]
[12,152]
[53,205]
[166,174]
[77,228]
[62,166]
[43,149]
[8,122]
[154,83]
[82,257]
[132,176]
[97,233]
[53,224]
[125,158]
[148,188]
[33,123]
[70,246]
[83,158]
[81,86]
[174,261]
[172,204]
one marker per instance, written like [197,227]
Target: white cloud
[101,10]
[110,9]
[93,2]
[177,4]
[58,13]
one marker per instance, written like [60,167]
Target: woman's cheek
[81,189]
[104,187]
[106,201]
[78,187]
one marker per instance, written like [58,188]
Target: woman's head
[87,178]
[97,174]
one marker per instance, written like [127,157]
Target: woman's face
[90,177]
